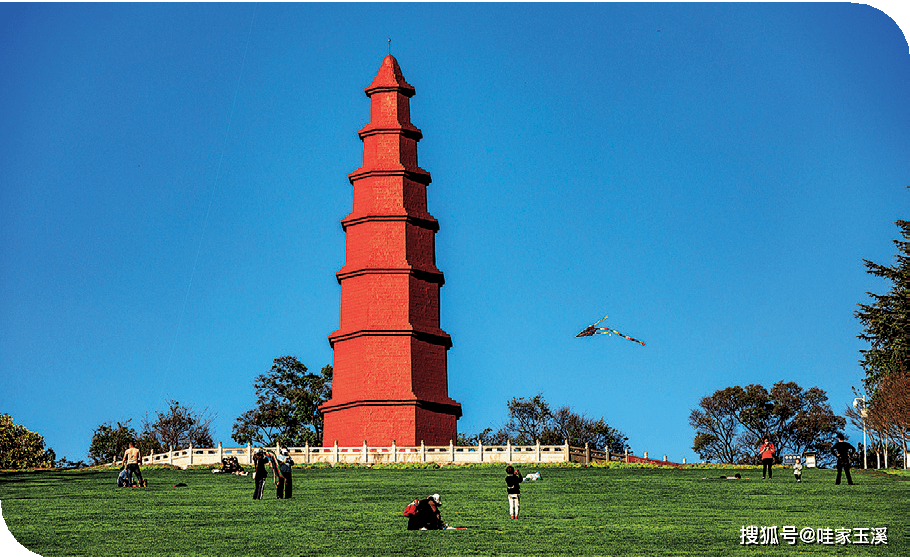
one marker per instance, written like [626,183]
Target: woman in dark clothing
[513,489]
[428,516]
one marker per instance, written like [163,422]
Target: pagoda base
[383,422]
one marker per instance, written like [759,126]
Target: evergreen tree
[886,320]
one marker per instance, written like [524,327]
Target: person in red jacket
[767,457]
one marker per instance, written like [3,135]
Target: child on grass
[513,478]
[798,470]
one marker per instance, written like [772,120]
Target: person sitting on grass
[428,516]
[123,480]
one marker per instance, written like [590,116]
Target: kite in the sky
[592,330]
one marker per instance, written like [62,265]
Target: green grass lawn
[357,511]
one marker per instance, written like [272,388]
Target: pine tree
[886,320]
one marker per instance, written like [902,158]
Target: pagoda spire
[390,380]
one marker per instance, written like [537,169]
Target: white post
[665,458]
[646,454]
[249,453]
[480,448]
[684,461]
[336,451]
[566,448]
[220,452]
[394,451]
[170,454]
[452,449]
[537,450]
[423,452]
[191,455]
[627,455]
[306,447]
[366,455]
[509,451]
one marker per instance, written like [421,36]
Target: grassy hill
[358,511]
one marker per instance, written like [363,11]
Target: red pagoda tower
[389,380]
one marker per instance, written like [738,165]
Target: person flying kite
[592,330]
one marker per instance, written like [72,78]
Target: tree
[730,423]
[886,320]
[109,442]
[717,435]
[531,420]
[178,426]
[891,409]
[21,448]
[578,429]
[287,406]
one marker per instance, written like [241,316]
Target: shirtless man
[132,457]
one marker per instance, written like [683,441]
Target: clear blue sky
[711,176]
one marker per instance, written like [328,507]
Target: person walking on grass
[513,490]
[132,457]
[844,452]
[766,450]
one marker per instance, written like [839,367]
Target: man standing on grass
[844,451]
[132,457]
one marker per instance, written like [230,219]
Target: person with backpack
[513,490]
[425,515]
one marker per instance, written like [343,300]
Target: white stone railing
[365,454]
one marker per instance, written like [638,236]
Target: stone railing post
[480,449]
[509,451]
[537,449]
[646,454]
[249,453]
[423,452]
[336,451]
[170,454]
[394,451]
[626,458]
[220,452]
[587,454]
[452,450]
[665,458]
[306,447]
[191,454]
[366,454]
[684,461]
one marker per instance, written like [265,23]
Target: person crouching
[427,516]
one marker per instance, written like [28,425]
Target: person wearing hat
[285,462]
[428,516]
